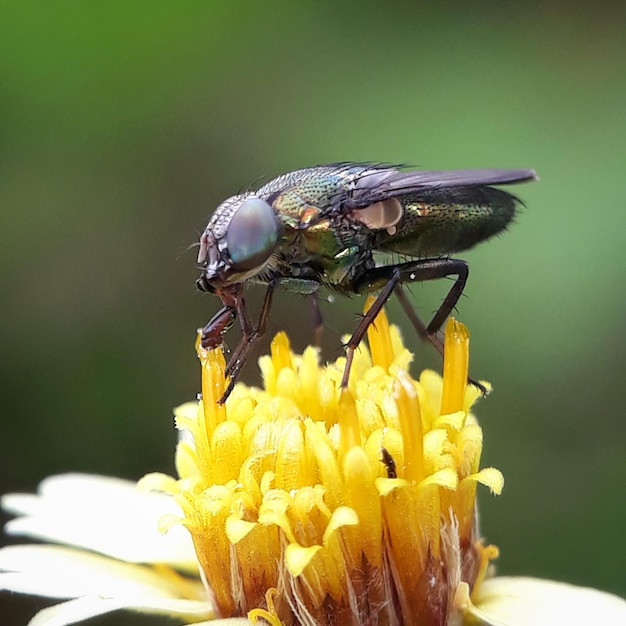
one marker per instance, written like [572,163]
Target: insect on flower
[346,226]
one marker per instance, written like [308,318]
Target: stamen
[487,554]
[280,350]
[349,429]
[455,367]
[260,616]
[213,386]
[379,338]
[360,494]
[410,418]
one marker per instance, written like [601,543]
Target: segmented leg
[212,333]
[251,336]
[316,314]
[390,279]
[235,306]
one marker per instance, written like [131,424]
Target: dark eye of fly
[252,234]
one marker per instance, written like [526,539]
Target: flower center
[343,504]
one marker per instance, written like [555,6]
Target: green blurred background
[123,124]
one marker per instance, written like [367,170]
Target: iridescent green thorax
[320,252]
[314,241]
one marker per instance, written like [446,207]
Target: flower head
[345,506]
[298,503]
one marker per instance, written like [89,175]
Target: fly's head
[237,243]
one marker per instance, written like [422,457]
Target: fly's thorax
[467,217]
[317,247]
[327,252]
[318,186]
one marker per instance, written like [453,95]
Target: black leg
[316,314]
[367,319]
[390,279]
[417,323]
[251,336]
[246,333]
[212,333]
[434,339]
[418,272]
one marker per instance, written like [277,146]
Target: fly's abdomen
[441,222]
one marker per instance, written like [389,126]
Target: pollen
[288,494]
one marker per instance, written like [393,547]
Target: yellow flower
[296,504]
[319,506]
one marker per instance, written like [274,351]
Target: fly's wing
[376,185]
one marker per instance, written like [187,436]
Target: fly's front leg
[246,333]
[212,334]
[251,336]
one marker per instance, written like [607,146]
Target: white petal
[58,572]
[84,608]
[81,609]
[107,515]
[20,503]
[504,601]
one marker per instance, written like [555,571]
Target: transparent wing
[381,184]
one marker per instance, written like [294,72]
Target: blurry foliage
[124,124]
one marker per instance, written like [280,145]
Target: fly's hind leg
[391,278]
[420,328]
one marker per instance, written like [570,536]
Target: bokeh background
[123,124]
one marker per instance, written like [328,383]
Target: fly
[345,226]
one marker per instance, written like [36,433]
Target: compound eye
[252,234]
